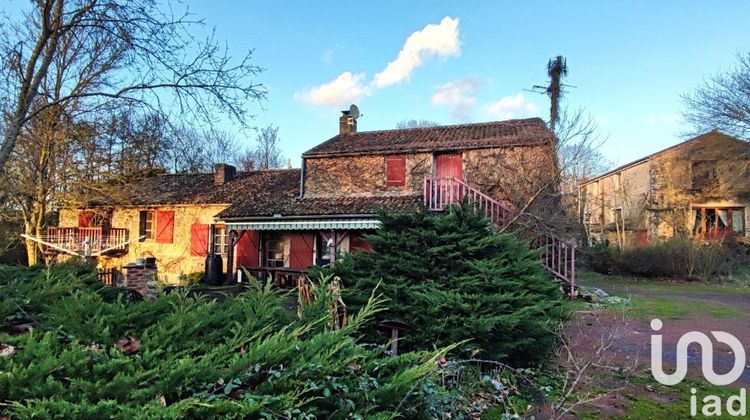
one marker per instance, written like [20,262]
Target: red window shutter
[301,250]
[164,227]
[247,249]
[395,171]
[85,218]
[199,240]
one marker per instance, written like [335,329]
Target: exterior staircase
[558,255]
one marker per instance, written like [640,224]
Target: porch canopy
[321,224]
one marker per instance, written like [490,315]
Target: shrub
[599,257]
[244,357]
[676,257]
[451,279]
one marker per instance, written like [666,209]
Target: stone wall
[678,183]
[627,190]
[362,176]
[658,195]
[173,259]
[508,174]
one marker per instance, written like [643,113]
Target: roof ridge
[443,127]
[658,152]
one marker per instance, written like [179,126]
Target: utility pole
[556,70]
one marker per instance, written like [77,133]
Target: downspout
[302,180]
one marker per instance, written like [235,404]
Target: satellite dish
[354,111]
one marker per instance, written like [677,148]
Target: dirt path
[681,309]
[697,310]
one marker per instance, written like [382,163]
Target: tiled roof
[508,133]
[327,206]
[201,189]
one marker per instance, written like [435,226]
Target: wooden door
[247,251]
[301,249]
[449,166]
[447,170]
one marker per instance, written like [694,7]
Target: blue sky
[471,61]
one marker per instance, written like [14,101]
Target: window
[395,171]
[617,216]
[147,225]
[718,223]
[322,250]
[274,250]
[221,241]
[704,174]
[617,180]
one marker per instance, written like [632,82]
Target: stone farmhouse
[700,188]
[279,223]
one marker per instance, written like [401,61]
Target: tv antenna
[354,112]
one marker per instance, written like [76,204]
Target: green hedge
[245,357]
[451,279]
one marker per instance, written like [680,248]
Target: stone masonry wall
[173,259]
[678,185]
[362,176]
[659,195]
[508,174]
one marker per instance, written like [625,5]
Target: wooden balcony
[75,239]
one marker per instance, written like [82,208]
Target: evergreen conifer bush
[243,357]
[451,279]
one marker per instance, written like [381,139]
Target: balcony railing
[77,239]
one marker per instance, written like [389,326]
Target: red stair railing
[559,258]
[440,193]
[558,255]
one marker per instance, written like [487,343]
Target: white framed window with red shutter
[395,171]
[156,225]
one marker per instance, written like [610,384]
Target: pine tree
[450,278]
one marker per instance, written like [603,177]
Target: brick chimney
[347,124]
[223,173]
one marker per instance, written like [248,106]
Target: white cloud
[460,95]
[663,118]
[344,90]
[513,106]
[433,40]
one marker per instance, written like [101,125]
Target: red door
[301,249]
[447,170]
[247,250]
[448,166]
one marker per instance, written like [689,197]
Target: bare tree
[266,153]
[415,123]
[192,151]
[578,142]
[102,54]
[722,101]
[586,347]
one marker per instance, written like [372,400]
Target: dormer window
[395,171]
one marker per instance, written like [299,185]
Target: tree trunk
[32,247]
